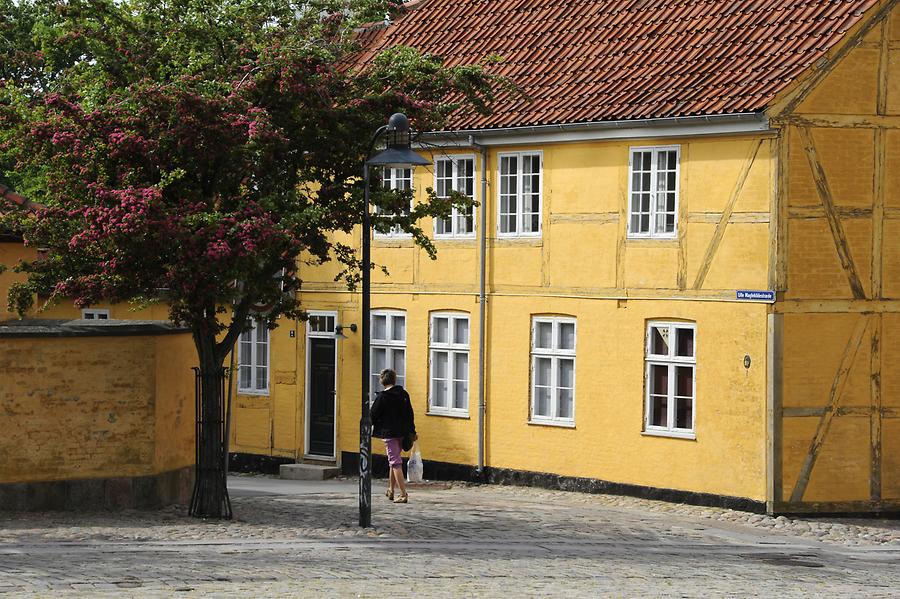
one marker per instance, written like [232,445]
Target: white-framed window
[455,173]
[253,359]
[95,314]
[388,346]
[320,323]
[553,370]
[399,179]
[520,194]
[449,364]
[671,358]
[653,188]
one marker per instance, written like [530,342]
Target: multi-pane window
[653,204]
[320,323]
[253,359]
[520,194]
[399,179]
[449,345]
[388,346]
[671,383]
[457,174]
[95,314]
[553,370]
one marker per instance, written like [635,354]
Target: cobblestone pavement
[461,541]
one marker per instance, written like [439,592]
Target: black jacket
[392,414]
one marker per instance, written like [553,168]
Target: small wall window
[95,314]
[671,382]
[455,173]
[653,192]
[253,359]
[388,346]
[520,194]
[449,347]
[399,179]
[553,370]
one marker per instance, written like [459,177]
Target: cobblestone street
[448,542]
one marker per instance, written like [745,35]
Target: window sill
[252,393]
[400,242]
[461,415]
[688,436]
[652,241]
[557,424]
[508,241]
[467,240]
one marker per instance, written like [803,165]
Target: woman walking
[393,419]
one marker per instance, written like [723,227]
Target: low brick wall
[95,414]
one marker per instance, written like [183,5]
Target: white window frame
[519,204]
[452,350]
[655,151]
[389,179]
[95,314]
[253,363]
[456,215]
[555,354]
[391,345]
[671,361]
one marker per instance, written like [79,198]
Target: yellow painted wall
[95,407]
[837,348]
[582,265]
[11,253]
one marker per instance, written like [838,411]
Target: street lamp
[397,154]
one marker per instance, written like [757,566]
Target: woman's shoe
[402,499]
[389,494]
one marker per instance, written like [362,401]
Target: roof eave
[681,126]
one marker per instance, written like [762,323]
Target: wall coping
[40,327]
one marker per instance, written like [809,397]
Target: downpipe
[482,303]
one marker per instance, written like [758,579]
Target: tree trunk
[210,497]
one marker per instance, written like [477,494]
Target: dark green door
[321,396]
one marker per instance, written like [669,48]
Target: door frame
[308,380]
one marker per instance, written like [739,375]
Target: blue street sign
[756,296]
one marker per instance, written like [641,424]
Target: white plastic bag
[414,467]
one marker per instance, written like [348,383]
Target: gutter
[715,124]
[482,301]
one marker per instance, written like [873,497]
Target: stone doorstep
[307,472]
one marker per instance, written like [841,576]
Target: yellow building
[681,279]
[682,249]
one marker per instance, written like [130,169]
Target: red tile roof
[600,60]
[8,194]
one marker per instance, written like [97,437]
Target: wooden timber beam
[834,221]
[877,410]
[839,121]
[834,397]
[855,411]
[878,180]
[837,306]
[713,218]
[719,233]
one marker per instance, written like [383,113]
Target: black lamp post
[397,154]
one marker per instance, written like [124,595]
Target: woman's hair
[388,377]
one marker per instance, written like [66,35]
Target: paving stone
[465,540]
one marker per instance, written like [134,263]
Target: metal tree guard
[210,496]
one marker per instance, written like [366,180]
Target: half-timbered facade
[681,279]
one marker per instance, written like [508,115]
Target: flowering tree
[192,151]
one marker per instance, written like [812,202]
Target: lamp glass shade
[397,158]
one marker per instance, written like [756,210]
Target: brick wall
[95,407]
